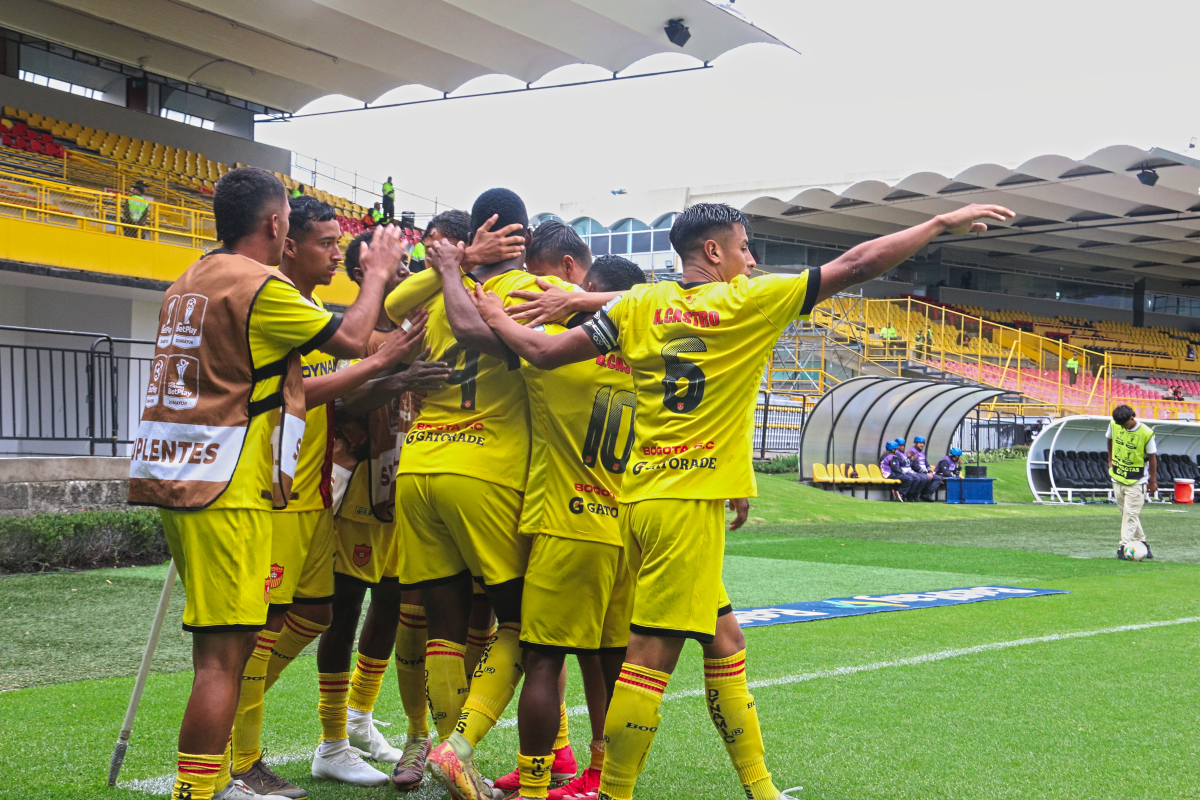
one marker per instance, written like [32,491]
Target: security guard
[1130,446]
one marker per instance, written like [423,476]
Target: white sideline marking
[163,785]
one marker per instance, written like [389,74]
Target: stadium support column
[10,57]
[1139,303]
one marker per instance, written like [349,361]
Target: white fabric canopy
[287,53]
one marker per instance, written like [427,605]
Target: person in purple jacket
[895,465]
[949,467]
[902,468]
[920,465]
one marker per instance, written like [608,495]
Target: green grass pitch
[940,703]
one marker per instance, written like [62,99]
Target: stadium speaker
[677,32]
[1148,176]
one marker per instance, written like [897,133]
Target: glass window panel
[624,225]
[638,225]
[662,241]
[599,245]
[582,226]
[641,242]
[620,244]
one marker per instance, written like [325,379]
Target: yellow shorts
[363,549]
[453,524]
[224,560]
[578,596]
[301,557]
[675,550]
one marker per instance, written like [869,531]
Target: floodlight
[677,32]
[1148,176]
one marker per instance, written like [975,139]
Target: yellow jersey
[697,352]
[280,320]
[581,443]
[310,487]
[478,423]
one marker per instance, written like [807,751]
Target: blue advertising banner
[872,604]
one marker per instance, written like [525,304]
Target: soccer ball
[1136,551]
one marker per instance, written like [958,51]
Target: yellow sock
[247,725]
[629,728]
[731,707]
[331,707]
[496,679]
[366,682]
[477,642]
[597,749]
[535,775]
[296,635]
[563,739]
[446,681]
[195,776]
[410,669]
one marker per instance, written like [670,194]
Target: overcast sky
[881,88]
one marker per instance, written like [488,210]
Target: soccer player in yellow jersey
[302,543]
[459,494]
[578,594]
[221,549]
[697,350]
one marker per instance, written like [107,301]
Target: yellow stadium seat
[9,111]
[22,114]
[820,475]
[864,474]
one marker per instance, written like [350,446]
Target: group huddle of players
[523,453]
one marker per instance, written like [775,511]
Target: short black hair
[305,211]
[350,258]
[504,203]
[239,200]
[696,224]
[1122,414]
[615,274]
[454,224]
[553,239]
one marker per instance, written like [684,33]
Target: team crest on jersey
[275,577]
[362,554]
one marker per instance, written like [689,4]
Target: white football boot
[236,790]
[338,761]
[366,737]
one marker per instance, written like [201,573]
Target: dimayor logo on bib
[871,604]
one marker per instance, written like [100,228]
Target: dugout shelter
[1068,461]
[851,423]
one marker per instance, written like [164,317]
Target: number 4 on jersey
[605,426]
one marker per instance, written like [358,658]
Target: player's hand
[741,510]
[424,376]
[401,344]
[383,256]
[968,218]
[491,247]
[491,309]
[446,257]
[550,304]
[1152,486]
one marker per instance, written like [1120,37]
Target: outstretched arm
[399,347]
[871,259]
[540,349]
[553,303]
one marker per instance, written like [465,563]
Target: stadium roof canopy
[287,53]
[1121,210]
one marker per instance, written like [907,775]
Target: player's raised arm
[379,260]
[871,259]
[540,349]
[468,328]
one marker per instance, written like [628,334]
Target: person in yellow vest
[216,450]
[1073,369]
[136,209]
[1131,447]
[389,199]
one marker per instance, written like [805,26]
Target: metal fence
[65,400]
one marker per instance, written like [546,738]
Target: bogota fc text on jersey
[478,423]
[697,352]
[581,444]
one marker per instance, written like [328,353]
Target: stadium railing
[61,398]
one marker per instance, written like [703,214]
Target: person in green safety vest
[389,199]
[376,215]
[1131,447]
[1072,369]
[298,191]
[136,209]
[888,332]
